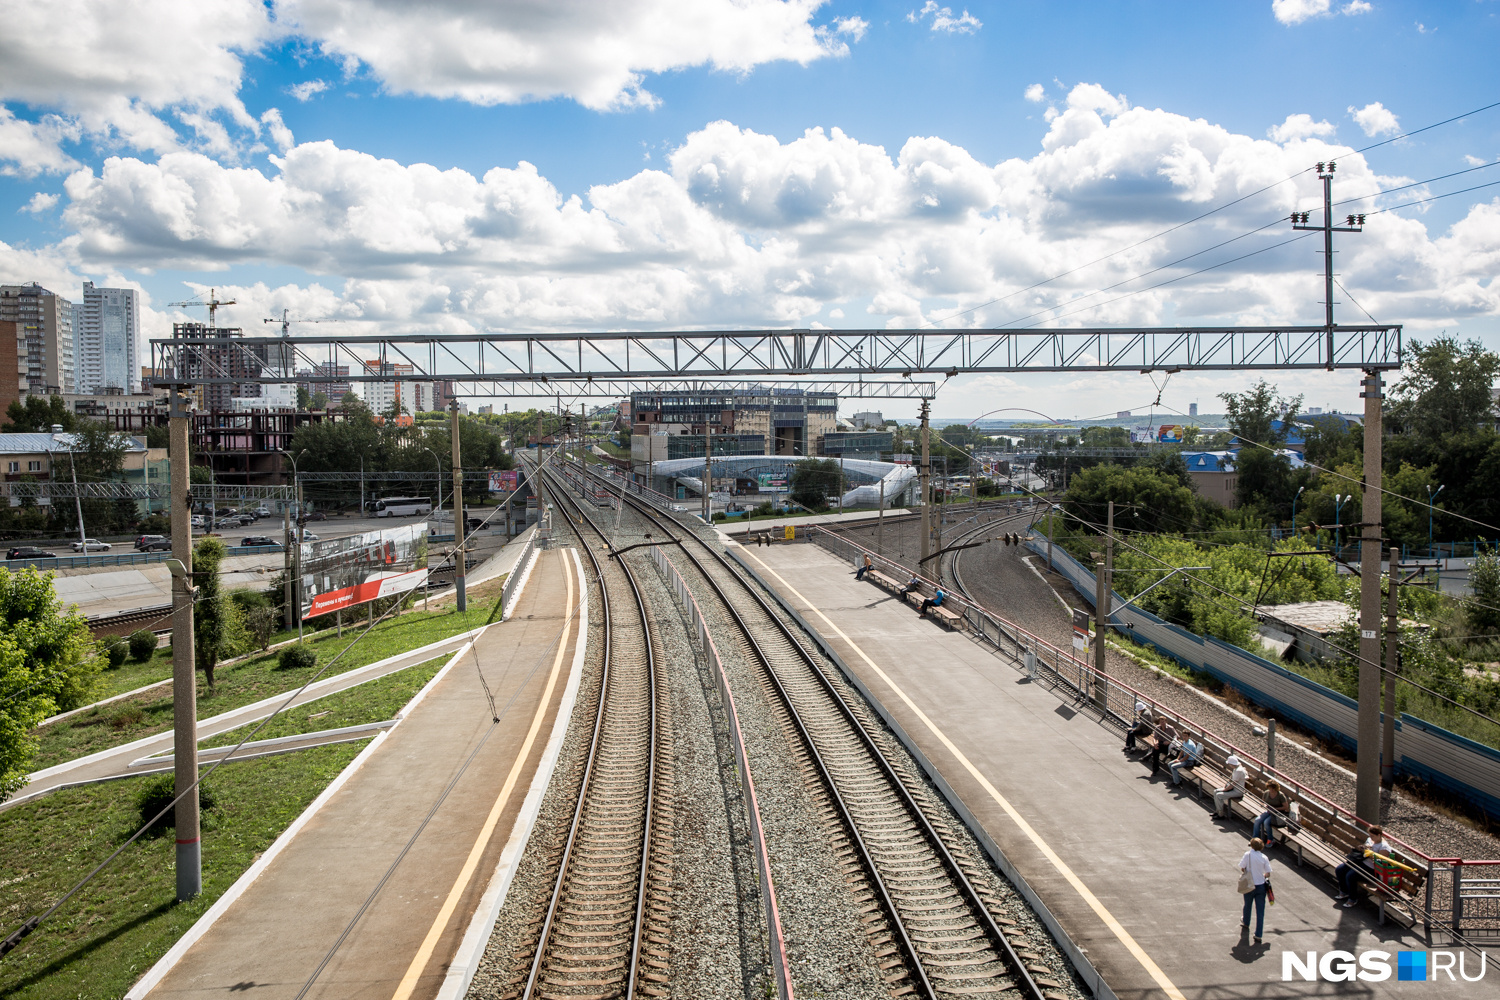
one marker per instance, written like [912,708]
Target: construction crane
[213,303]
[286,322]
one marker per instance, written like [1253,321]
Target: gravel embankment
[1000,579]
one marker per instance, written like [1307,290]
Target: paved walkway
[368,846]
[1139,876]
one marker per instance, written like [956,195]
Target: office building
[408,395]
[44,339]
[105,329]
[755,421]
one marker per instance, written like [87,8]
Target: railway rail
[157,619]
[938,932]
[604,930]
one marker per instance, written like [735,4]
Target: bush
[116,650]
[721,516]
[156,524]
[155,795]
[261,623]
[763,509]
[249,600]
[297,657]
[142,645]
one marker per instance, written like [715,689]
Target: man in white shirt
[1258,867]
[1234,790]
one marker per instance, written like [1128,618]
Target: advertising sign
[338,573]
[771,482]
[1169,434]
[505,482]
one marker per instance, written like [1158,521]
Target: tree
[1146,499]
[1261,419]
[37,414]
[304,398]
[1106,437]
[217,626]
[45,667]
[813,480]
[1445,388]
[319,401]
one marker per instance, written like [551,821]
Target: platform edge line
[203,924]
[1101,990]
[465,963]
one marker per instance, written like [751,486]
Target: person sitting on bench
[911,585]
[1189,756]
[1277,805]
[869,564]
[1360,864]
[1166,736]
[935,601]
[1142,727]
[1235,789]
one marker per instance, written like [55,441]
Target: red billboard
[505,482]
[339,573]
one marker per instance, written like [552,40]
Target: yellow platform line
[1130,943]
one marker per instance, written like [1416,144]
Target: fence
[1466,904]
[752,808]
[1446,760]
[518,573]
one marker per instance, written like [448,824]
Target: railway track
[604,930]
[937,931]
[158,620]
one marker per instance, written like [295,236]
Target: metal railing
[517,572]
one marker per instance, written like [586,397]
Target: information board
[339,573]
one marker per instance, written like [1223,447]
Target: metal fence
[517,573]
[1461,895]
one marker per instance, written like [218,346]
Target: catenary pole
[458,517]
[1392,664]
[1367,770]
[926,474]
[184,680]
[1101,606]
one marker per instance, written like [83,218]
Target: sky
[535,165]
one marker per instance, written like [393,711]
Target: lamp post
[1294,508]
[439,462]
[293,593]
[1339,499]
[1431,496]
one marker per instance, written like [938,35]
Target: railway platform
[377,894]
[1137,875]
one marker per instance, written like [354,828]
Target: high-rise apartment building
[105,329]
[44,338]
[412,397]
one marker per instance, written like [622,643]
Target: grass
[107,936]
[373,701]
[248,681]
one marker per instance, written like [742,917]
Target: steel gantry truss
[202,492]
[619,388]
[499,358]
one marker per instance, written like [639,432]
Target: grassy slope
[127,919]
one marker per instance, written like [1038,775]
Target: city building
[869,420]
[104,340]
[44,457]
[754,421]
[334,391]
[43,337]
[1192,409]
[10,370]
[865,444]
[250,358]
[1213,473]
[412,396]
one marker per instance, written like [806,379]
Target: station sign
[339,573]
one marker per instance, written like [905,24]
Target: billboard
[1169,434]
[505,482]
[338,573]
[771,482]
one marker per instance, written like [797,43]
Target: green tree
[37,414]
[1445,388]
[1106,437]
[813,480]
[1146,499]
[319,401]
[304,398]
[218,629]
[45,666]
[1261,419]
[1484,579]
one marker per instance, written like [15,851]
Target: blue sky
[965,152]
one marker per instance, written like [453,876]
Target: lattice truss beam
[546,358]
[202,492]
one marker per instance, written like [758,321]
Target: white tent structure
[689,472]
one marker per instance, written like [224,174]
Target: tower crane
[213,303]
[286,321]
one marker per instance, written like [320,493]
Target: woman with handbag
[1255,883]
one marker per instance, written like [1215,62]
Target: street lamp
[1294,508]
[439,462]
[1338,535]
[1431,496]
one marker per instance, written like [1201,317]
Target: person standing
[1256,865]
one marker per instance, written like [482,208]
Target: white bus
[402,506]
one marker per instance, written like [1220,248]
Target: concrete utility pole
[1367,777]
[1102,600]
[286,563]
[708,469]
[926,476]
[458,517]
[880,521]
[1392,664]
[184,681]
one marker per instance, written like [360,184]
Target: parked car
[158,545]
[261,512]
[199,521]
[28,552]
[308,536]
[312,515]
[91,545]
[250,540]
[144,540]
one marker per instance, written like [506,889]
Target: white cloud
[739,227]
[1375,119]
[1356,7]
[307,89]
[1035,93]
[943,19]
[280,134]
[1299,126]
[40,202]
[596,52]
[1474,161]
[31,148]
[854,27]
[1297,11]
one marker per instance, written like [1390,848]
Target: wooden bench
[1319,837]
[881,580]
[948,618]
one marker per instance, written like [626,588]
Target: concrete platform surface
[373,896]
[1139,875]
